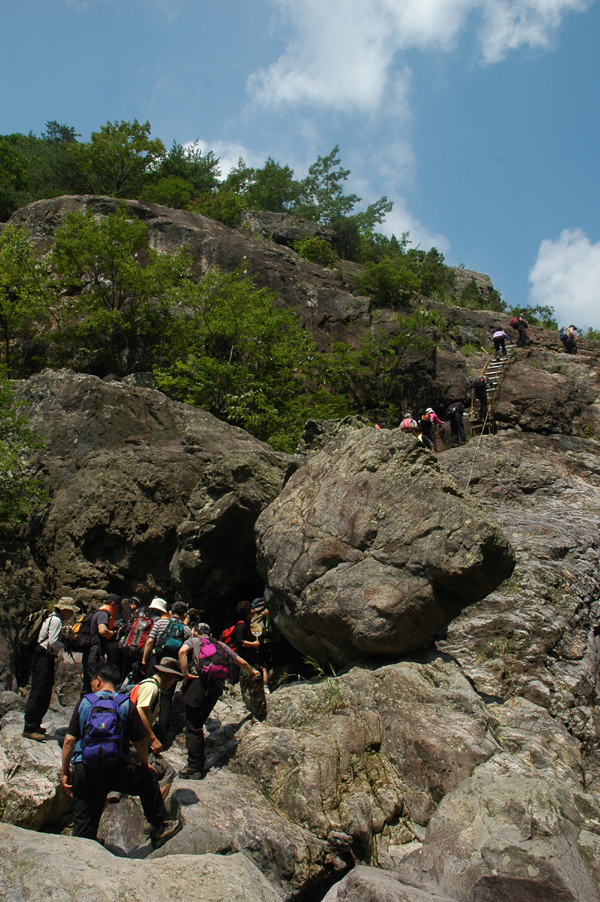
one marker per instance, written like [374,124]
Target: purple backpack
[102,736]
[211,658]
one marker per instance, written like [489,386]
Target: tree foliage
[20,491]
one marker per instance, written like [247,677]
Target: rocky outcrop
[371,550]
[323,305]
[132,475]
[511,831]
[36,867]
[283,228]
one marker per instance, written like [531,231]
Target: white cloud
[566,276]
[401,220]
[342,52]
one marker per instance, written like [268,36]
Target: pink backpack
[210,658]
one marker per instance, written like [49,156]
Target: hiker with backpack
[521,325]
[499,337]
[44,652]
[101,632]
[146,697]
[569,339]
[133,643]
[166,638]
[205,665]
[95,760]
[408,424]
[427,428]
[480,389]
[457,425]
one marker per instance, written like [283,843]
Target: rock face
[35,867]
[371,550]
[324,306]
[128,471]
[374,885]
[283,228]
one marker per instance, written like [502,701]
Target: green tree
[235,354]
[172,191]
[224,206]
[20,491]
[13,176]
[120,292]
[200,171]
[272,188]
[317,250]
[376,375]
[22,297]
[389,282]
[117,159]
[321,194]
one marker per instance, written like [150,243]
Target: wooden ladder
[495,371]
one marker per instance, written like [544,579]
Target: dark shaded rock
[370,550]
[219,527]
[121,464]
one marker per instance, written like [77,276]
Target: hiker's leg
[89,798]
[42,680]
[143,782]
[194,738]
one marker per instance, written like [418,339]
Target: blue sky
[478,118]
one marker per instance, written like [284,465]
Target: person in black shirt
[89,786]
[101,633]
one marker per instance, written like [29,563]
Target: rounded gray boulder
[371,549]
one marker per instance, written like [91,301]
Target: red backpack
[227,635]
[133,643]
[514,322]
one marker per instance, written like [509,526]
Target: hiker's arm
[104,631]
[65,773]
[141,748]
[155,743]
[246,644]
[243,665]
[54,635]
[183,663]
[147,650]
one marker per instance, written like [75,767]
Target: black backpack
[26,641]
[78,636]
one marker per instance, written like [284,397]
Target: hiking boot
[191,773]
[38,737]
[165,832]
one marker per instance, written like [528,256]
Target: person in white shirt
[42,669]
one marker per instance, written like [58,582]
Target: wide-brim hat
[158,604]
[66,604]
[169,665]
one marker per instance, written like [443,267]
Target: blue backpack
[103,736]
[172,638]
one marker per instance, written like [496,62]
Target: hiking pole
[75,663]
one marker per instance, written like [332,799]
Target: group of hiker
[425,429]
[133,657]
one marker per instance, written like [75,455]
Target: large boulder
[227,813]
[362,760]
[364,884]
[122,463]
[371,549]
[511,830]
[38,867]
[30,791]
